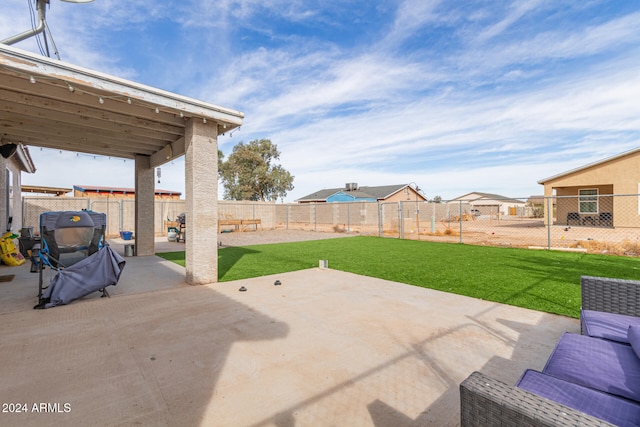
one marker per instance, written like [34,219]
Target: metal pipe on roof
[40,8]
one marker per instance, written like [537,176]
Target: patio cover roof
[53,104]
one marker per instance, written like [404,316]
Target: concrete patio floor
[325,348]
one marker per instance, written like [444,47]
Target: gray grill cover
[91,274]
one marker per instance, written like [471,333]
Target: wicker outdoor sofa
[610,317]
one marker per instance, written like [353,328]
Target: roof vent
[351,186]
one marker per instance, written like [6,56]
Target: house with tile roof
[352,192]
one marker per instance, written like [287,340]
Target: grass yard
[540,280]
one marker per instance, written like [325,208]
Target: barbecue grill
[181,227]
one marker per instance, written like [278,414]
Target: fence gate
[391,220]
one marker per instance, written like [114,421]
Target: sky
[451,96]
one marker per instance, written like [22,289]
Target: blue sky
[455,96]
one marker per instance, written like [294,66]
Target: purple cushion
[610,326]
[614,409]
[634,339]
[604,365]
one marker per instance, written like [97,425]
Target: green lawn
[541,280]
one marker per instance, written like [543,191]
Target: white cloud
[514,13]
[455,97]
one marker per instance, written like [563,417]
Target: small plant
[448,231]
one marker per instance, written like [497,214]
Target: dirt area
[274,236]
[533,233]
[244,239]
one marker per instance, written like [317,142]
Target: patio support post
[144,207]
[201,201]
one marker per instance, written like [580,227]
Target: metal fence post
[418,218]
[400,222]
[460,215]
[379,219]
[549,221]
[433,218]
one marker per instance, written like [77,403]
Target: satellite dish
[42,24]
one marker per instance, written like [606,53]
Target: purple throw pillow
[634,339]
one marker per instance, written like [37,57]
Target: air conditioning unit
[351,186]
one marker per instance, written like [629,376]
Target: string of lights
[33,79]
[89,156]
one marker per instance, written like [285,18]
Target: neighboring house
[583,195]
[120,193]
[351,192]
[492,204]
[40,190]
[16,159]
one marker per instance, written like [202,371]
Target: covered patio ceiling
[53,104]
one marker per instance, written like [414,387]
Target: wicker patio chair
[485,401]
[610,295]
[573,216]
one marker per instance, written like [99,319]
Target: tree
[248,173]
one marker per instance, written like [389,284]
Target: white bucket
[128,250]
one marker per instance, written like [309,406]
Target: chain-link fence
[588,223]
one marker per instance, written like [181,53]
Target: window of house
[588,201]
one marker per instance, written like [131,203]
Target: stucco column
[201,201]
[145,209]
[16,210]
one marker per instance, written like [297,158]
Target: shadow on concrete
[506,369]
[148,358]
[325,348]
[430,370]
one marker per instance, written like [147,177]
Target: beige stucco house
[14,160]
[491,204]
[584,195]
